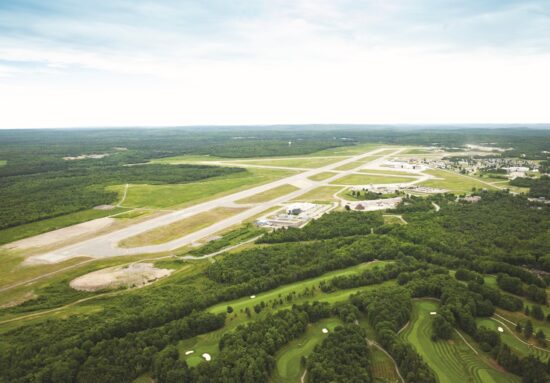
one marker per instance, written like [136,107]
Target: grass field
[180,228]
[242,303]
[3,162]
[519,316]
[360,179]
[34,228]
[322,176]
[393,219]
[293,162]
[133,214]
[145,378]
[452,360]
[180,195]
[383,368]
[269,194]
[351,150]
[511,339]
[288,359]
[209,342]
[454,182]
[351,165]
[320,194]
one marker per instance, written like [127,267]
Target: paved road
[106,244]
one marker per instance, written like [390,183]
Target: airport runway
[106,245]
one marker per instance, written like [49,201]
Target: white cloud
[302,61]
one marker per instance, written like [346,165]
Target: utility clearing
[134,275]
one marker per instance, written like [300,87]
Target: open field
[60,300]
[288,359]
[134,275]
[3,162]
[34,228]
[394,219]
[351,150]
[180,228]
[351,165]
[294,162]
[165,196]
[322,176]
[454,182]
[320,194]
[269,194]
[360,179]
[452,360]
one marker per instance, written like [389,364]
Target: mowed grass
[320,194]
[34,228]
[294,162]
[511,339]
[351,165]
[390,219]
[209,342]
[351,150]
[322,176]
[297,287]
[452,361]
[269,195]
[181,228]
[454,182]
[383,368]
[519,316]
[288,368]
[181,195]
[242,303]
[364,179]
[3,162]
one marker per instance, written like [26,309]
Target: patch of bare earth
[62,235]
[134,275]
[16,302]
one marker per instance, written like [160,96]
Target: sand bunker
[207,357]
[325,330]
[134,275]
[500,329]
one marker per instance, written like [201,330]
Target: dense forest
[501,234]
[444,256]
[36,160]
[34,197]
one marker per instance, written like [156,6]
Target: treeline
[498,234]
[332,225]
[31,198]
[514,285]
[387,311]
[459,307]
[538,187]
[247,353]
[114,360]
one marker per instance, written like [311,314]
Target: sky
[74,63]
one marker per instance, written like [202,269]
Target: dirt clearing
[134,275]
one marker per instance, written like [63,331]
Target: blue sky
[167,62]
